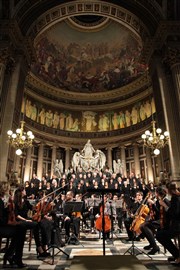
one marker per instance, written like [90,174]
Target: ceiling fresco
[76,60]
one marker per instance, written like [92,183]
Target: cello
[11,211]
[140,216]
[99,221]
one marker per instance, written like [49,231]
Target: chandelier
[155,139]
[20,139]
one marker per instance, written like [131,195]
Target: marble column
[9,114]
[67,158]
[149,170]
[40,161]
[175,68]
[136,160]
[123,160]
[28,165]
[53,158]
[109,157]
[171,110]
[2,71]
[16,163]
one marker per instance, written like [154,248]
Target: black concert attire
[17,234]
[164,236]
[128,220]
[41,229]
[35,181]
[71,218]
[149,227]
[119,213]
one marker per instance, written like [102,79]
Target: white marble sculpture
[89,158]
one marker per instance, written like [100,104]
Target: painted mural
[88,61]
[89,121]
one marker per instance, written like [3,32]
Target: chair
[29,237]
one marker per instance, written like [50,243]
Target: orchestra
[140,209]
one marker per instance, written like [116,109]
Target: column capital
[4,54]
[109,148]
[122,147]
[172,56]
[7,59]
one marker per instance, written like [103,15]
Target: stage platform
[114,262]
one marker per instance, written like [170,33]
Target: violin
[42,208]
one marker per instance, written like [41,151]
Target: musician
[119,210]
[149,227]
[70,218]
[132,210]
[99,216]
[16,232]
[165,235]
[41,228]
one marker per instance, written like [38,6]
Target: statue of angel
[117,166]
[58,168]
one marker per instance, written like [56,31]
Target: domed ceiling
[88,54]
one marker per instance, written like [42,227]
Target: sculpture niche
[89,158]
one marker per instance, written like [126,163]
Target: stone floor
[91,245]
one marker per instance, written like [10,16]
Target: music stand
[133,250]
[103,192]
[69,208]
[53,245]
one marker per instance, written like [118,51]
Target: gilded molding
[75,8]
[105,96]
[76,140]
[76,107]
[165,29]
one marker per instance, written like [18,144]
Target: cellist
[149,227]
[132,210]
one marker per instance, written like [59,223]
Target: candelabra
[20,139]
[155,139]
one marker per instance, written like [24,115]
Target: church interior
[90,86]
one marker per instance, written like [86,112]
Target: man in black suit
[165,236]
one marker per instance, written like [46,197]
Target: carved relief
[172,56]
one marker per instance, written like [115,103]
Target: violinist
[41,228]
[133,207]
[69,218]
[149,227]
[16,232]
[165,235]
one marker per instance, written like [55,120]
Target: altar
[89,158]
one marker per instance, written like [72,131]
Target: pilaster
[40,161]
[149,165]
